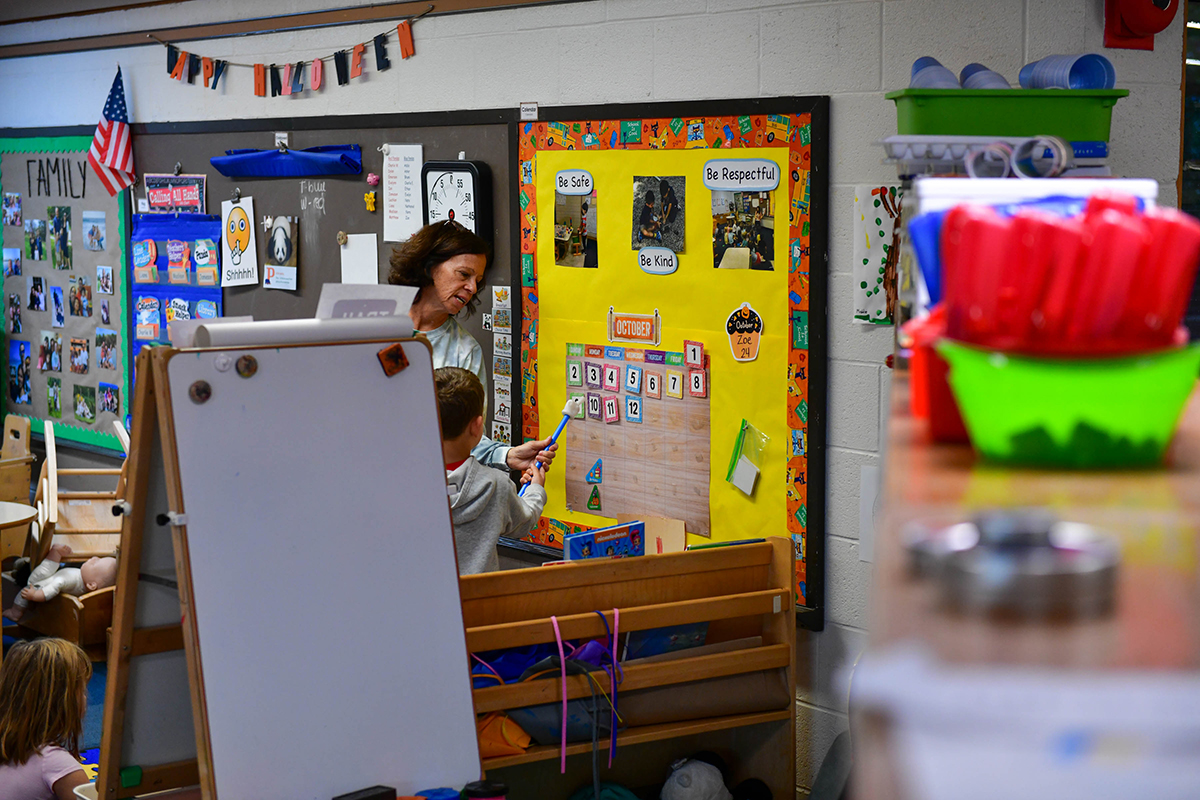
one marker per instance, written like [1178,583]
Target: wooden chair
[84,521]
[16,469]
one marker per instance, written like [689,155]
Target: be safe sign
[741,175]
[573,181]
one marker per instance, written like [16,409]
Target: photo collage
[62,307]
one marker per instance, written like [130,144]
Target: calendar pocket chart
[642,446]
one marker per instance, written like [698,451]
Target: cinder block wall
[614,51]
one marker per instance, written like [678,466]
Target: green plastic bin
[1077,115]
[1081,414]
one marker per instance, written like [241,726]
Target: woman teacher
[447,263]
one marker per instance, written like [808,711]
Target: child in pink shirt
[39,740]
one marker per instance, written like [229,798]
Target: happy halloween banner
[290,78]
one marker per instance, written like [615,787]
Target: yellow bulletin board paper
[629,282]
[694,304]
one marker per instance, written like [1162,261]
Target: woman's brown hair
[42,698]
[414,261]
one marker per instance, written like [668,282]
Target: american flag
[111,155]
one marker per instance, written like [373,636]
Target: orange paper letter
[356,61]
[180,67]
[206,68]
[404,34]
[260,80]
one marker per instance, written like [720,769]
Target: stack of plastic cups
[928,73]
[977,76]
[1087,71]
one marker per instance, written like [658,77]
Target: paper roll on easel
[302,331]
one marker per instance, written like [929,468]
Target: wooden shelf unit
[742,591]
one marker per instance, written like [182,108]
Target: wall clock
[461,191]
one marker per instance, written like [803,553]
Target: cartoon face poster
[239,248]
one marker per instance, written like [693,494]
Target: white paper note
[239,247]
[403,201]
[360,258]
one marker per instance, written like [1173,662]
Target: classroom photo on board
[104,280]
[35,239]
[80,297]
[93,230]
[575,230]
[12,261]
[58,319]
[106,348]
[50,352]
[58,221]
[14,313]
[658,212]
[37,293]
[12,208]
[80,355]
[19,364]
[110,398]
[743,230]
[84,401]
[54,397]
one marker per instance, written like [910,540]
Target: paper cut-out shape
[633,379]
[404,36]
[318,74]
[574,373]
[356,60]
[381,57]
[612,378]
[582,403]
[675,384]
[206,69]
[341,67]
[612,408]
[369,199]
[193,67]
[653,385]
[298,77]
[693,354]
[744,328]
[591,373]
[697,384]
[633,409]
[172,59]
[593,405]
[276,83]
[593,502]
[180,67]
[287,79]
[596,473]
[260,80]
[218,71]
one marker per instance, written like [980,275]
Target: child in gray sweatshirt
[484,504]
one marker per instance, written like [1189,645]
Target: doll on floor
[48,580]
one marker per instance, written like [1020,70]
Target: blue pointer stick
[573,407]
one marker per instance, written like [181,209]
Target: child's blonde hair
[43,694]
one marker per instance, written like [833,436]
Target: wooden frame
[128,641]
[742,591]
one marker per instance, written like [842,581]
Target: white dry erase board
[327,622]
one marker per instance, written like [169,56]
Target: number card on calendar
[647,422]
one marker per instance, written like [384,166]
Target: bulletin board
[65,293]
[325,205]
[668,453]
